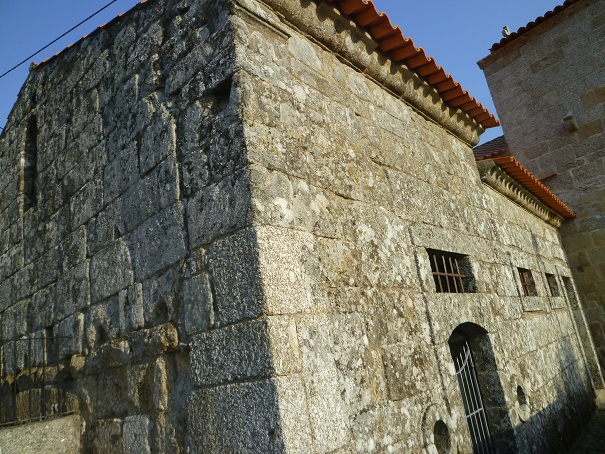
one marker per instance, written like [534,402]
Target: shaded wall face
[559,71]
[350,186]
[139,169]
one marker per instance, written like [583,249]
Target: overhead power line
[57,39]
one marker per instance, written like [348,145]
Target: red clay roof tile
[402,49]
[514,168]
[497,150]
[492,149]
[531,25]
[391,40]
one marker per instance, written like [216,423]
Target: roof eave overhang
[538,26]
[498,178]
[327,22]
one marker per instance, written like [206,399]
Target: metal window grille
[473,402]
[450,272]
[31,379]
[527,282]
[553,285]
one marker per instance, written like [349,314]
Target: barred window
[553,285]
[451,272]
[527,282]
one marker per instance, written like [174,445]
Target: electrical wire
[57,39]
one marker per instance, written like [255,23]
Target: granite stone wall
[552,72]
[350,186]
[219,213]
[115,254]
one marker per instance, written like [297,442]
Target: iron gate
[473,403]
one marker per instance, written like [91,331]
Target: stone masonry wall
[228,223]
[350,185]
[139,182]
[555,70]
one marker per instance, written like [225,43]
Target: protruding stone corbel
[494,176]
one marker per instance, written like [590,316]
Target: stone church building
[233,226]
[548,84]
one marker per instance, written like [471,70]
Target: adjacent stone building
[257,226]
[548,84]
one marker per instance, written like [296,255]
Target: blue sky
[456,33]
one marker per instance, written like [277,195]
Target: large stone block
[159,140]
[60,436]
[242,417]
[165,232]
[198,304]
[70,333]
[233,265]
[135,434]
[72,291]
[87,202]
[14,320]
[151,194]
[219,209]
[108,436]
[110,271]
[244,351]
[121,173]
[41,308]
[131,300]
[162,297]
[105,321]
[73,249]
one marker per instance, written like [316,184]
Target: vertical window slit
[30,166]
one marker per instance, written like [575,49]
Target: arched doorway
[481,390]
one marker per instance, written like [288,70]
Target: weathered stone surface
[61,436]
[219,209]
[244,351]
[157,190]
[135,432]
[155,341]
[232,245]
[72,291]
[109,435]
[240,417]
[235,277]
[197,299]
[165,232]
[555,129]
[110,271]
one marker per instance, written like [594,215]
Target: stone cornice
[323,23]
[495,177]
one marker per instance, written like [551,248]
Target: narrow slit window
[451,272]
[527,282]
[29,166]
[553,285]
[571,293]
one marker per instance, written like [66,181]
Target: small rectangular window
[571,293]
[451,272]
[527,282]
[553,285]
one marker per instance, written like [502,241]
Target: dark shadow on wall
[555,428]
[234,406]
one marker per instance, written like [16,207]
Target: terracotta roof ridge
[492,148]
[520,173]
[401,49]
[530,25]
